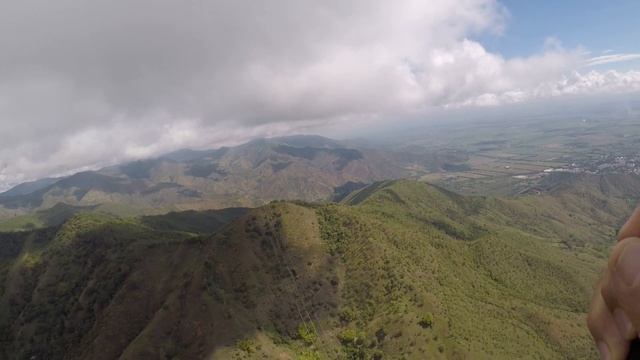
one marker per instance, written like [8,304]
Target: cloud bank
[84,84]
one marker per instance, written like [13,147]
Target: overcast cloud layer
[88,83]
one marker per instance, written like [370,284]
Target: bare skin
[614,318]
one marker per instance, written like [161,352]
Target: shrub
[350,337]
[426,321]
[307,333]
[354,353]
[246,345]
[309,355]
[347,315]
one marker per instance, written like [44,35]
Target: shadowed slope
[105,288]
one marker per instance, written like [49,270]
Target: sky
[600,26]
[84,84]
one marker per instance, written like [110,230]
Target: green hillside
[495,274]
[399,270]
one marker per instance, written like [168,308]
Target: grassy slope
[499,279]
[494,287]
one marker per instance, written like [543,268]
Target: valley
[507,157]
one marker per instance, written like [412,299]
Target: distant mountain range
[299,167]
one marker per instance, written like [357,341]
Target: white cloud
[576,83]
[90,83]
[612,58]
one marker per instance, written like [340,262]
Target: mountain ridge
[441,274]
[299,167]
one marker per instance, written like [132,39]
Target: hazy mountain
[398,269]
[297,167]
[29,187]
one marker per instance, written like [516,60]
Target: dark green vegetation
[400,269]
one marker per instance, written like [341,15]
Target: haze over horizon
[84,85]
